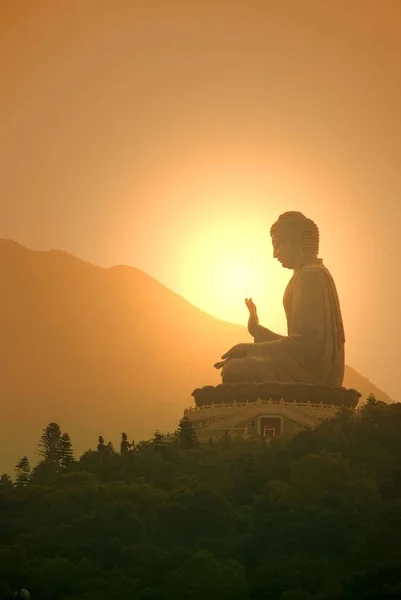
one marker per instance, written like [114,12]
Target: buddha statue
[313,350]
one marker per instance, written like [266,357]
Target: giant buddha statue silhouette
[313,350]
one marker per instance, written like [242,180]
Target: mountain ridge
[101,350]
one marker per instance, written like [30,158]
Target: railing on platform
[258,402]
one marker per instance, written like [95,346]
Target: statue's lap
[237,370]
[259,369]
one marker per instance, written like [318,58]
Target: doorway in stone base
[270,426]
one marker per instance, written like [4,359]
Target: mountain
[100,351]
[352,379]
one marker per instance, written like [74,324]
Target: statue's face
[287,250]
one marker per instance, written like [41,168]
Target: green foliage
[5,480]
[313,517]
[44,473]
[66,451]
[22,472]
[56,451]
[50,444]
[186,434]
[203,576]
[158,438]
[371,399]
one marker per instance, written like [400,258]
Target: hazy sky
[169,136]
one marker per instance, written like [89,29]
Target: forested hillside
[316,516]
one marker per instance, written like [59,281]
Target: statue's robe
[313,351]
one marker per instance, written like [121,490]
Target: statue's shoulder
[312,271]
[313,275]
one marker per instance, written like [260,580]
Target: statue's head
[295,240]
[101,440]
[124,436]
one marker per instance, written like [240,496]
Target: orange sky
[169,135]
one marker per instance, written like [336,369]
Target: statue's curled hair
[296,222]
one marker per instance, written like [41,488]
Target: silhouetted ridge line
[100,349]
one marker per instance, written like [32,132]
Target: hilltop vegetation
[316,516]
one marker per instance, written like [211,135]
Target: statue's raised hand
[251,306]
[253,321]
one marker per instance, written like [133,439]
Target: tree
[23,472]
[158,438]
[50,446]
[5,480]
[226,439]
[202,576]
[186,433]
[44,473]
[66,451]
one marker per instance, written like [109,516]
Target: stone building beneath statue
[264,409]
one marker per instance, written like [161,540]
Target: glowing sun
[227,263]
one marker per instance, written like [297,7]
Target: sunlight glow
[227,263]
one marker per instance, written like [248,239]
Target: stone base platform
[264,409]
[289,392]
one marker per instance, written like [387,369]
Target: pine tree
[23,472]
[371,399]
[50,446]
[66,451]
[5,480]
[186,433]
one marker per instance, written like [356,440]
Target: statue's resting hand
[237,351]
[219,364]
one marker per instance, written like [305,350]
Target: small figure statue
[110,448]
[313,350]
[101,446]
[125,446]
